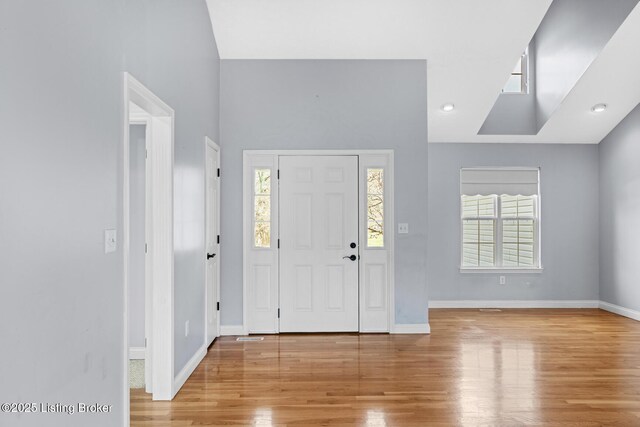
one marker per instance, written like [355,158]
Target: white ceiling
[470,47]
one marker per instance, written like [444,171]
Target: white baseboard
[136,353]
[188,369]
[413,328]
[232,330]
[515,304]
[622,311]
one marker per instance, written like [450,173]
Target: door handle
[351,257]
[209,256]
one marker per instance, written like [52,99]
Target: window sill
[536,270]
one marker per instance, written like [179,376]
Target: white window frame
[497,230]
[524,79]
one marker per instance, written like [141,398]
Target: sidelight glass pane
[375,208]
[262,235]
[262,208]
[375,181]
[262,181]
[375,204]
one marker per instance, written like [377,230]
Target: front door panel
[318,226]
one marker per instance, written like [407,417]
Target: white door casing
[160,255]
[261,278]
[212,258]
[318,227]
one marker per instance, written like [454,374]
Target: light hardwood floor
[507,368]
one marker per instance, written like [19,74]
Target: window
[499,218]
[518,80]
[262,208]
[375,208]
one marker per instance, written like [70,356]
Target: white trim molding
[188,369]
[493,270]
[514,304]
[136,353]
[160,347]
[232,330]
[622,311]
[411,328]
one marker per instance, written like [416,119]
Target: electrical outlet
[186,328]
[503,280]
[403,228]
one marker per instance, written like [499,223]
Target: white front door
[212,244]
[318,243]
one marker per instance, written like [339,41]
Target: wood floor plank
[560,367]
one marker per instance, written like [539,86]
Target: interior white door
[318,243]
[212,244]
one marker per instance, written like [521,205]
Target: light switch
[110,242]
[403,228]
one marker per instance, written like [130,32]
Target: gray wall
[619,213]
[569,221]
[137,233]
[61,299]
[328,104]
[570,37]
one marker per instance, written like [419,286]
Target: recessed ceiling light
[599,108]
[447,107]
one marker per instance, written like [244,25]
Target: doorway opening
[147,209]
[318,241]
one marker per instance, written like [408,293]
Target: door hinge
[146,153]
[278,313]
[218,172]
[145,343]
[145,248]
[218,306]
[218,239]
[278,174]
[278,243]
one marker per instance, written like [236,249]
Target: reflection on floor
[507,368]
[136,373]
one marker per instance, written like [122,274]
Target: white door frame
[208,142]
[388,155]
[143,118]
[160,250]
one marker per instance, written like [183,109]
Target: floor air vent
[249,338]
[490,309]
